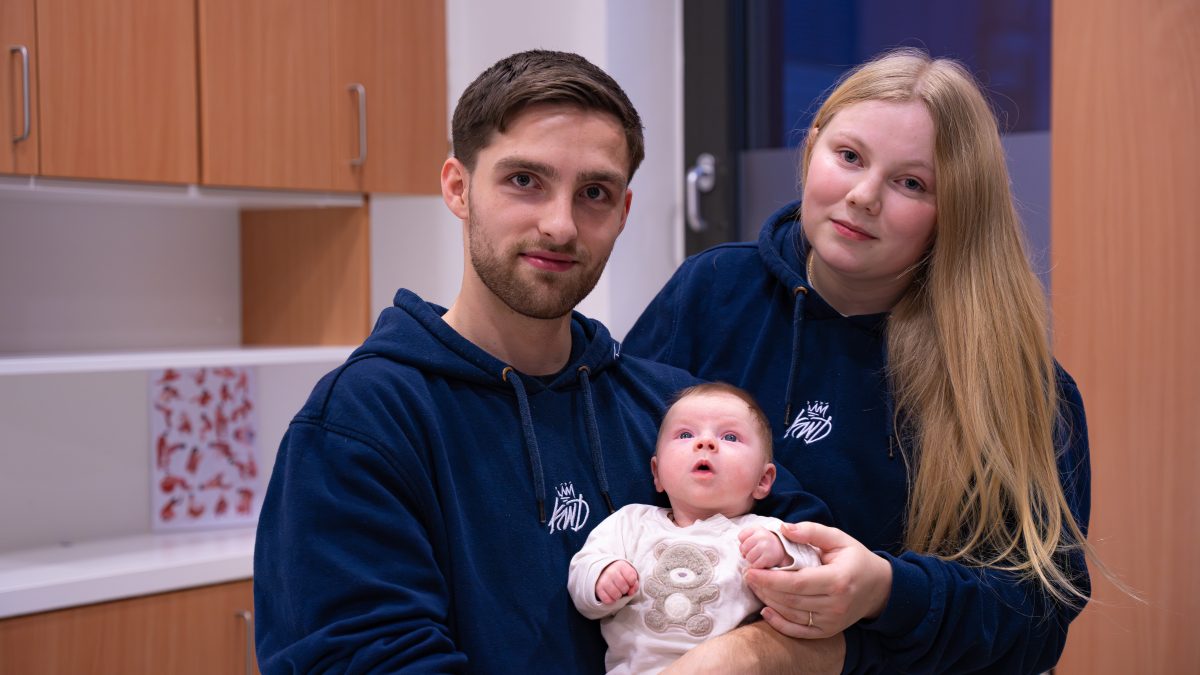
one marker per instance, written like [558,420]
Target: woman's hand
[852,583]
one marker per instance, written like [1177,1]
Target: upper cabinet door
[389,74]
[18,88]
[117,94]
[265,106]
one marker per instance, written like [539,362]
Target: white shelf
[43,579]
[59,189]
[45,364]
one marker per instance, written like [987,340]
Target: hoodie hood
[412,332]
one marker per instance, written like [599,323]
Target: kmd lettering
[570,511]
[812,424]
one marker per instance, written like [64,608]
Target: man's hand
[758,648]
[762,549]
[852,583]
[616,581]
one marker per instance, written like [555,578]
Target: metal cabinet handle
[248,617]
[24,52]
[362,124]
[700,179]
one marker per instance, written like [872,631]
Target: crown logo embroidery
[812,423]
[570,511]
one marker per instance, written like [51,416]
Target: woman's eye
[849,156]
[730,438]
[685,434]
[522,180]
[912,184]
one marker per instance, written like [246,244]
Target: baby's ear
[654,472]
[765,482]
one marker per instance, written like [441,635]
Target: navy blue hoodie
[746,314]
[426,501]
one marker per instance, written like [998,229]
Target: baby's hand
[616,581]
[762,549]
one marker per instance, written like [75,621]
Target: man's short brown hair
[532,77]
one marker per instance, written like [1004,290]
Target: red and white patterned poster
[204,458]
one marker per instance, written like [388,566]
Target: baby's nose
[705,444]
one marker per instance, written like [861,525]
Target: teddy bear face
[684,566]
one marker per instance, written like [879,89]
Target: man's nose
[558,221]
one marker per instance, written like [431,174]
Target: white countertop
[37,580]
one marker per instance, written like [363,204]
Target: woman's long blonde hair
[968,346]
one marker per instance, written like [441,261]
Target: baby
[664,580]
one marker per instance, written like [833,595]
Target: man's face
[544,206]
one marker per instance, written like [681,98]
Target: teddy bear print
[679,586]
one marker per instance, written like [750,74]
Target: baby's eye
[730,437]
[685,434]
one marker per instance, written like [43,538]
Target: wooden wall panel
[1126,295]
[305,276]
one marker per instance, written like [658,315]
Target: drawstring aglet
[541,511]
[608,500]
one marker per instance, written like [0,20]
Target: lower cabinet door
[198,630]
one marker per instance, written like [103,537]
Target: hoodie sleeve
[947,617]
[345,576]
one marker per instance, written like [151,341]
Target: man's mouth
[549,261]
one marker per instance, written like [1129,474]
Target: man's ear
[628,203]
[455,183]
[654,472]
[765,482]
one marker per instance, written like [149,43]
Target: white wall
[418,243]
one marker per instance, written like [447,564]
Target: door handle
[361,92]
[700,180]
[24,52]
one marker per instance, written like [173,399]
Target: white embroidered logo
[570,511]
[812,424]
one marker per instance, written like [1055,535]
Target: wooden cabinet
[117,93]
[18,87]
[397,52]
[201,630]
[287,85]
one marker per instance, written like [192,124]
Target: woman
[892,327]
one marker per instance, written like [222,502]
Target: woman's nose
[865,195]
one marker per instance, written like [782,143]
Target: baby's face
[710,458]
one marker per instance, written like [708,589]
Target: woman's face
[869,208]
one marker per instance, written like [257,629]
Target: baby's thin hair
[756,412]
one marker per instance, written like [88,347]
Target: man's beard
[556,295]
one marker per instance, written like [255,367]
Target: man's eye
[731,438]
[522,180]
[685,434]
[595,192]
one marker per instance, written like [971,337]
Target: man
[426,501]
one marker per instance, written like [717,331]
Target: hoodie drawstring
[589,412]
[531,446]
[800,293]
